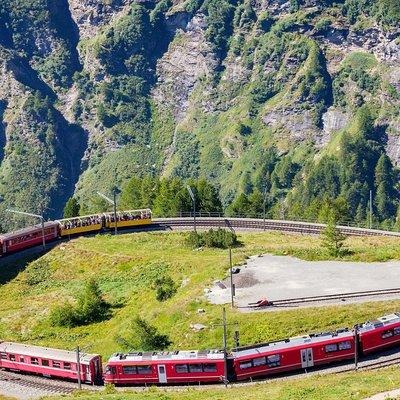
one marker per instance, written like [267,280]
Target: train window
[274,361]
[129,369]
[110,370]
[396,330]
[329,348]
[56,364]
[210,367]
[195,368]
[144,369]
[181,368]
[67,365]
[12,357]
[345,345]
[259,361]
[3,356]
[34,361]
[45,363]
[387,334]
[21,359]
[245,364]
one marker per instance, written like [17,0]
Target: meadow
[126,267]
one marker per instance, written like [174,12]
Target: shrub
[220,238]
[90,308]
[165,288]
[145,337]
[64,315]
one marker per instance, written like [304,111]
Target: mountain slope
[246,93]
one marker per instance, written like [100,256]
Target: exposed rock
[333,121]
[189,57]
[197,327]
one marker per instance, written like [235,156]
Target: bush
[64,315]
[145,337]
[220,238]
[90,308]
[165,288]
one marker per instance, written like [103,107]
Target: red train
[253,361]
[206,366]
[33,235]
[50,362]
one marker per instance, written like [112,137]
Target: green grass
[348,386]
[125,268]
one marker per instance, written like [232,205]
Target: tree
[146,337]
[91,306]
[333,239]
[385,193]
[71,208]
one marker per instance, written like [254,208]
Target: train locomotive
[254,361]
[32,236]
[207,366]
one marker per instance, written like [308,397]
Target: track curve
[254,224]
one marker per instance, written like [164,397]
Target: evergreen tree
[131,194]
[333,239]
[240,207]
[71,208]
[146,337]
[385,193]
[91,306]
[208,197]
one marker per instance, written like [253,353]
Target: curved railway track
[260,225]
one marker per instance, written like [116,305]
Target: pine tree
[71,208]
[333,239]
[385,193]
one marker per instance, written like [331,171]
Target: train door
[87,373]
[162,374]
[307,358]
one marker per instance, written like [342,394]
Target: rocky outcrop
[189,59]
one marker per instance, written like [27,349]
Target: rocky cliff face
[107,89]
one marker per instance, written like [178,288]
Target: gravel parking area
[284,277]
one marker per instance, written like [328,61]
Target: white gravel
[284,277]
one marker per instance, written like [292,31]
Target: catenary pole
[78,366]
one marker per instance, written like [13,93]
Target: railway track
[337,296]
[260,225]
[37,383]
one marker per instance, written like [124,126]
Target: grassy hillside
[352,386]
[126,267]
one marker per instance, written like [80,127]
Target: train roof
[44,352]
[292,342]
[147,210]
[380,322]
[26,231]
[168,356]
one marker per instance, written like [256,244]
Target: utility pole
[34,216]
[356,347]
[114,204]
[370,209]
[115,210]
[264,202]
[231,275]
[192,196]
[236,338]
[78,366]
[225,353]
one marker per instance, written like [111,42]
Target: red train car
[28,237]
[379,334]
[165,367]
[295,353]
[50,362]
